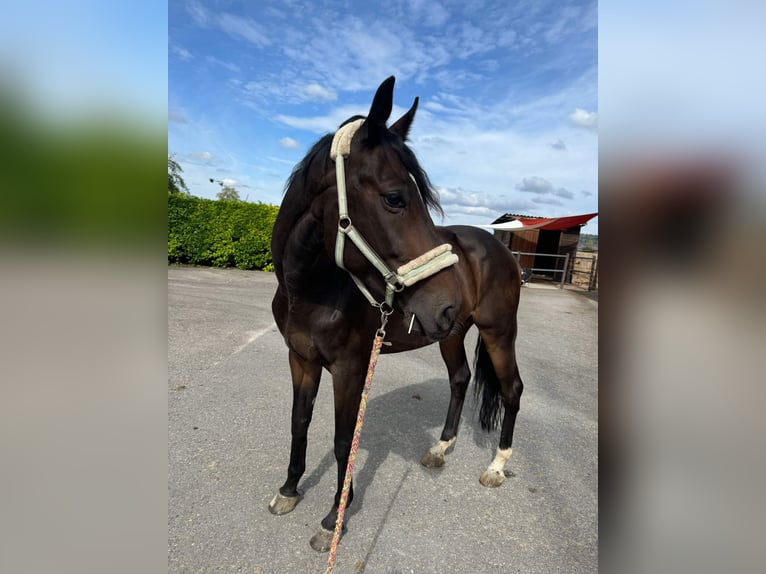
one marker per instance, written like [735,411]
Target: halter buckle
[394,283]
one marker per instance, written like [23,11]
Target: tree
[176,183]
[227,193]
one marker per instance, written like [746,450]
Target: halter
[425,265]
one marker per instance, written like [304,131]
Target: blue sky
[508,112]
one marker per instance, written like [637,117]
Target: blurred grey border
[683,313]
[83,403]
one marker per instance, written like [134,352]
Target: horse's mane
[319,156]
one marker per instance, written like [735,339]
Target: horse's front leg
[453,353]
[305,376]
[348,381]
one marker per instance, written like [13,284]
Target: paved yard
[229,408]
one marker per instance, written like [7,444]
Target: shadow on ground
[404,422]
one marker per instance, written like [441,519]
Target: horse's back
[483,249]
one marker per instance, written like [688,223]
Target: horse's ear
[380,110]
[401,127]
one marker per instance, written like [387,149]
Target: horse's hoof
[281,504]
[431,460]
[322,540]
[492,478]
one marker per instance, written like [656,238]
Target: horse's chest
[327,317]
[320,334]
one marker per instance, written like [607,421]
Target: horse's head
[387,197]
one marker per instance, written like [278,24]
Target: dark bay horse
[328,322]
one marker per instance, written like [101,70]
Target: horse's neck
[305,264]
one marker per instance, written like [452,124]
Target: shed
[539,237]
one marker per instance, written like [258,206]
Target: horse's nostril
[447,317]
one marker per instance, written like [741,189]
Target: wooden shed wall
[525,241]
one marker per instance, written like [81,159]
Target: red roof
[550,223]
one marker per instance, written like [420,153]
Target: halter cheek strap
[421,267]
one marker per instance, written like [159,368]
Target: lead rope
[380,334]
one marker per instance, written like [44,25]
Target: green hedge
[220,233]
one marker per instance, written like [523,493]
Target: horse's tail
[488,386]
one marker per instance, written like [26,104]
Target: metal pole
[564,272]
[593,274]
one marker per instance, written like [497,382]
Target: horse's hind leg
[495,473]
[503,380]
[305,376]
[453,353]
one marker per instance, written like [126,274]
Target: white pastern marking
[253,336]
[501,457]
[441,446]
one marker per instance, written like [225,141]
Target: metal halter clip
[385,312]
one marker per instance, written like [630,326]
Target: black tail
[488,386]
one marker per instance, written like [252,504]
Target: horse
[332,293]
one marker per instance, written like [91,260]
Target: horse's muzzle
[435,325]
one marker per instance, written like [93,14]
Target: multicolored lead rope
[376,345]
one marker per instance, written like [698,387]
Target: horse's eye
[394,199]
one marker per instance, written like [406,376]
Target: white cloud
[535,184]
[431,141]
[559,145]
[562,25]
[322,124]
[290,162]
[228,65]
[584,119]
[541,186]
[430,12]
[471,40]
[177,115]
[436,107]
[317,92]
[198,13]
[288,143]
[436,15]
[340,50]
[181,52]
[271,88]
[244,28]
[204,157]
[348,57]
[233,25]
[460,201]
[547,201]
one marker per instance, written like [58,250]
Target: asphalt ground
[229,435]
